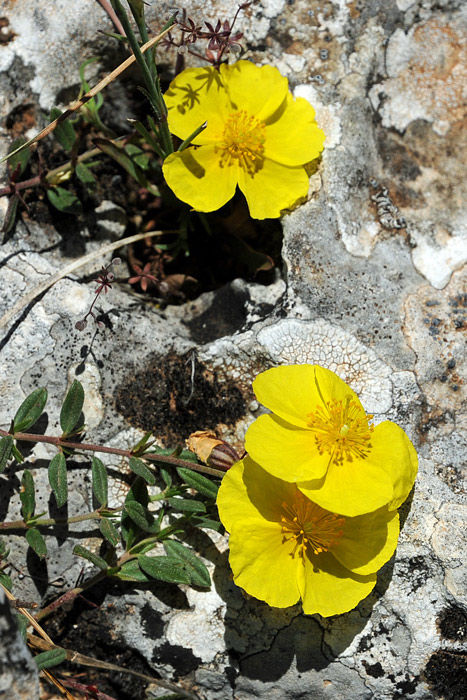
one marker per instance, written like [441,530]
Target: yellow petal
[287,391]
[272,189]
[193,97]
[197,178]
[351,488]
[294,138]
[327,588]
[248,492]
[393,452]
[259,90]
[285,451]
[368,542]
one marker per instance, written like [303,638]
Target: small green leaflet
[30,410]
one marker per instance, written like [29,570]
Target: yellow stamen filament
[243,141]
[342,429]
[311,527]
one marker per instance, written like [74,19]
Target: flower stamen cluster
[242,140]
[342,429]
[313,528]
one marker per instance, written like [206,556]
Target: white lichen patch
[202,627]
[327,116]
[427,70]
[292,341]
[449,541]
[437,262]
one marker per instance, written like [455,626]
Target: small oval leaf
[27,496]
[100,481]
[30,410]
[6,448]
[138,467]
[58,479]
[167,569]
[72,407]
[197,481]
[141,517]
[95,559]
[109,531]
[186,506]
[36,542]
[197,571]
[64,132]
[64,201]
[131,571]
[49,658]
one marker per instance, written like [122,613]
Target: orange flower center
[343,430]
[243,141]
[312,527]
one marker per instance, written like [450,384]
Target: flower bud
[212,451]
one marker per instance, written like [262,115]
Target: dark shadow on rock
[224,316]
[37,569]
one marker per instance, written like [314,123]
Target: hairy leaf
[141,517]
[58,479]
[30,410]
[22,157]
[199,482]
[131,571]
[138,467]
[36,542]
[198,573]
[187,506]
[6,448]
[95,559]
[27,496]
[10,216]
[109,531]
[167,568]
[99,481]
[84,174]
[72,407]
[49,658]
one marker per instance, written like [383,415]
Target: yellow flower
[257,137]
[320,437]
[284,547]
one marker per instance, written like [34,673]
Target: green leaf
[131,571]
[27,495]
[6,581]
[64,132]
[58,479]
[72,407]
[22,157]
[36,542]
[84,174]
[138,156]
[49,658]
[199,482]
[198,573]
[139,494]
[99,481]
[141,517]
[6,448]
[90,556]
[64,201]
[167,569]
[166,476]
[23,624]
[109,531]
[187,506]
[126,162]
[138,467]
[10,216]
[207,523]
[30,410]
[17,455]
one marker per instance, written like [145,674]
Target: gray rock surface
[18,673]
[373,287]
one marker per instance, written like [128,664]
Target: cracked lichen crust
[293,341]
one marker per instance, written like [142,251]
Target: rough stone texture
[373,287]
[18,672]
